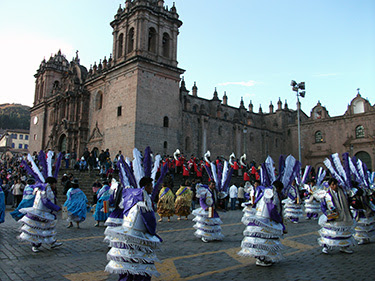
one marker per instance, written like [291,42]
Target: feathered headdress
[141,167]
[46,165]
[290,172]
[219,174]
[320,177]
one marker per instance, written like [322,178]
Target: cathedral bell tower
[142,83]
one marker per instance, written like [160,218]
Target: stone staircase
[86,179]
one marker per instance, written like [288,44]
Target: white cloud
[246,84]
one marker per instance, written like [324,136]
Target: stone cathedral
[137,97]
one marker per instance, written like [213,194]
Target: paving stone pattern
[83,255]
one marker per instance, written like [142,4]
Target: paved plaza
[184,257]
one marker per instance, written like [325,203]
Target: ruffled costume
[116,217]
[103,195]
[166,202]
[134,243]
[206,227]
[40,221]
[27,201]
[264,227]
[293,210]
[312,205]
[76,204]
[338,231]
[365,218]
[183,201]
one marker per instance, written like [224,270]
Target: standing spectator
[68,184]
[73,157]
[91,162]
[102,159]
[17,190]
[233,196]
[67,159]
[86,154]
[241,195]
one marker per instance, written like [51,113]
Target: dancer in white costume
[132,255]
[312,202]
[206,217]
[293,208]
[336,222]
[133,244]
[264,226]
[40,220]
[207,220]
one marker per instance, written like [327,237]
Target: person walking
[233,193]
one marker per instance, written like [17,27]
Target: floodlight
[293,83]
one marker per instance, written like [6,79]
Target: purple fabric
[57,165]
[147,162]
[208,170]
[43,163]
[265,178]
[219,173]
[163,172]
[306,174]
[131,277]
[290,195]
[131,197]
[281,166]
[229,178]
[149,220]
[129,172]
[165,192]
[49,204]
[117,214]
[35,218]
[30,171]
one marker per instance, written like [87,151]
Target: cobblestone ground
[83,255]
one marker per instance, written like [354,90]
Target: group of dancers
[127,208]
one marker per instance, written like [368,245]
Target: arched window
[120,45]
[219,130]
[166,122]
[166,45]
[225,116]
[358,107]
[195,108]
[99,101]
[318,137]
[152,40]
[131,40]
[359,132]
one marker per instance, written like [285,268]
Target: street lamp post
[296,87]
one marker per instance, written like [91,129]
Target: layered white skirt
[208,228]
[262,237]
[335,233]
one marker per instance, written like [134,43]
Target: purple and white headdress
[41,173]
[131,173]
[220,174]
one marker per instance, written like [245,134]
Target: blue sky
[250,49]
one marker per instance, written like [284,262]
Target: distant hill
[14,116]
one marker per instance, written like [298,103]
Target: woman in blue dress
[27,199]
[103,194]
[76,204]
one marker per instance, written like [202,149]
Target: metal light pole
[296,87]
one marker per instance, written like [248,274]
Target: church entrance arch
[62,143]
[365,158]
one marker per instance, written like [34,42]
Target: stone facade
[136,98]
[353,132]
